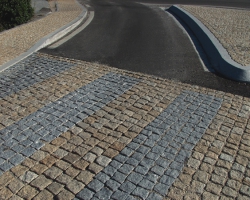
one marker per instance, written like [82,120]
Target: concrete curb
[219,57]
[49,39]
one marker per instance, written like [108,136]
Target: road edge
[49,39]
[217,54]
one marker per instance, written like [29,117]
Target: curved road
[141,38]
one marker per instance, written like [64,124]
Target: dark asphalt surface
[145,39]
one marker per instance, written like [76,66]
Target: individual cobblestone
[229,26]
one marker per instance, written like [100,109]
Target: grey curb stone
[104,193]
[119,195]
[130,198]
[102,177]
[217,54]
[85,194]
[96,185]
[154,196]
[112,184]
[127,187]
[141,192]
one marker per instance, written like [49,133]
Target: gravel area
[230,26]
[15,41]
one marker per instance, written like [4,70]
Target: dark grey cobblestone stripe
[24,137]
[31,70]
[147,167]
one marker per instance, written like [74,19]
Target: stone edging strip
[219,57]
[147,167]
[49,39]
[72,108]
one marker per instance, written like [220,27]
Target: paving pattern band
[25,137]
[147,167]
[28,72]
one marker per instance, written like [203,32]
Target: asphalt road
[141,38]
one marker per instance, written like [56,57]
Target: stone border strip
[45,92]
[143,103]
[49,39]
[24,137]
[29,100]
[147,166]
[219,165]
[219,57]
[30,71]
[66,165]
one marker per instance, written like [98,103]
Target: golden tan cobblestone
[55,187]
[41,182]
[5,193]
[6,178]
[15,185]
[27,192]
[95,168]
[65,195]
[72,172]
[44,195]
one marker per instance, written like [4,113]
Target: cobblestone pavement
[230,26]
[14,42]
[76,130]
